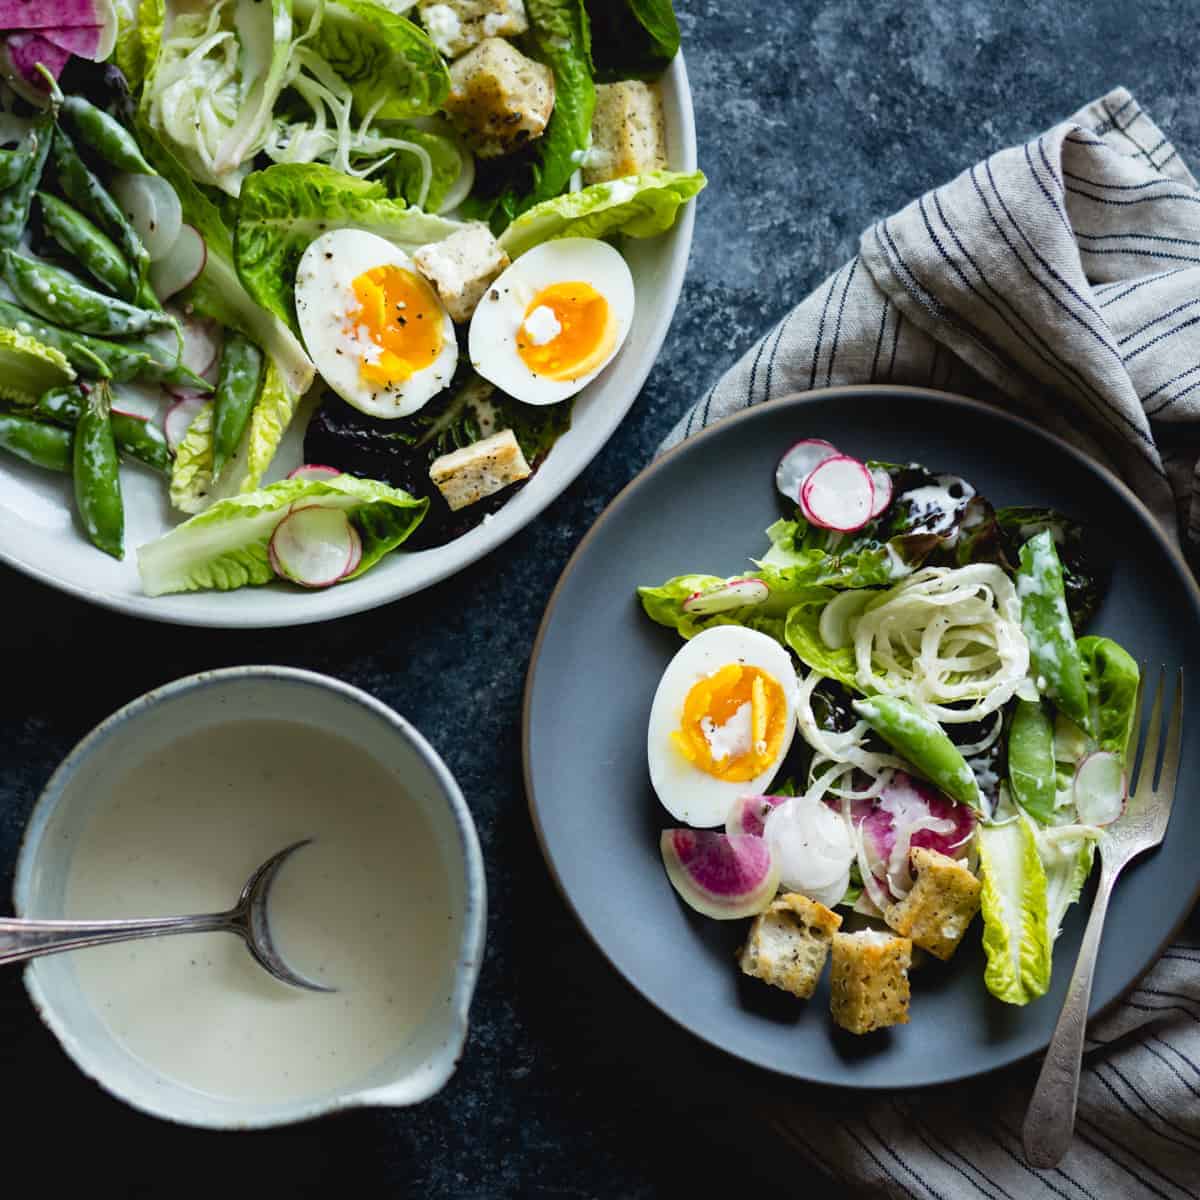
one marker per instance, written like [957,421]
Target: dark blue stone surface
[814,119]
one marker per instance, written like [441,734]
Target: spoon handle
[21,940]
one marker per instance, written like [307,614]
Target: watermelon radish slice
[22,56]
[86,41]
[796,465]
[749,814]
[154,211]
[838,494]
[180,416]
[314,471]
[179,268]
[314,546]
[883,491]
[720,876]
[834,622]
[1099,788]
[737,593]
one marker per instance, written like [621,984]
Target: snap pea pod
[90,196]
[106,135]
[923,743]
[135,436]
[16,199]
[96,470]
[237,389]
[1055,662]
[95,358]
[95,250]
[36,442]
[56,295]
[14,162]
[1031,769]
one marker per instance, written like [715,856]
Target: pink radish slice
[356,552]
[749,814]
[1099,788]
[314,471]
[153,208]
[313,546]
[838,494]
[717,875]
[179,418]
[22,55]
[201,344]
[737,593]
[181,265]
[124,412]
[883,490]
[795,466]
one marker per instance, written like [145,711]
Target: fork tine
[1144,783]
[1170,763]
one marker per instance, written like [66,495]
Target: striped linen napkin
[1061,280]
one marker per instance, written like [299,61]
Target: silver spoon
[21,940]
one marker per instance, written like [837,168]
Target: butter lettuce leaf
[226,547]
[802,634]
[285,207]
[1111,676]
[638,206]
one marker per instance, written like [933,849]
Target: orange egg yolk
[586,331]
[733,723]
[398,311]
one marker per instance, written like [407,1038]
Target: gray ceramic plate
[598,660]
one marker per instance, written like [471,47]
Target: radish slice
[356,552]
[1099,788]
[796,465]
[181,266]
[201,342]
[313,546]
[749,814]
[153,209]
[180,416]
[834,625]
[737,593]
[720,876]
[314,471]
[883,490]
[124,412]
[812,845]
[838,494]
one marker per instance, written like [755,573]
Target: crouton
[455,26]
[788,944]
[499,99]
[941,904]
[461,267]
[629,133]
[869,980]
[479,470]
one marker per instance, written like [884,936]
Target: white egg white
[494,327]
[689,794]
[325,301]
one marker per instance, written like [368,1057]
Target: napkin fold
[1061,280]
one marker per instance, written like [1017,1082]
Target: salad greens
[632,38]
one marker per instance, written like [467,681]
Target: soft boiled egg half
[721,723]
[553,320]
[373,326]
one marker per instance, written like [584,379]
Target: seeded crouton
[499,99]
[869,980]
[479,470]
[629,133]
[942,903]
[454,26]
[788,944]
[461,267]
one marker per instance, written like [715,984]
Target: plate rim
[800,400]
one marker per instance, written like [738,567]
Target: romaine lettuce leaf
[632,38]
[1111,676]
[28,368]
[226,547]
[1016,935]
[406,177]
[638,206]
[191,469]
[285,207]
[1067,863]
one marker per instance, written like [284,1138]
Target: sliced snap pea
[923,743]
[90,196]
[96,470]
[1031,769]
[16,199]
[106,135]
[56,295]
[36,442]
[95,251]
[1055,661]
[237,389]
[135,436]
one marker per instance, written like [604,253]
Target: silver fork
[1050,1121]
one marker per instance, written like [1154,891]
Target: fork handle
[1050,1121]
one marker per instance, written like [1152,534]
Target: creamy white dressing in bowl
[166,808]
